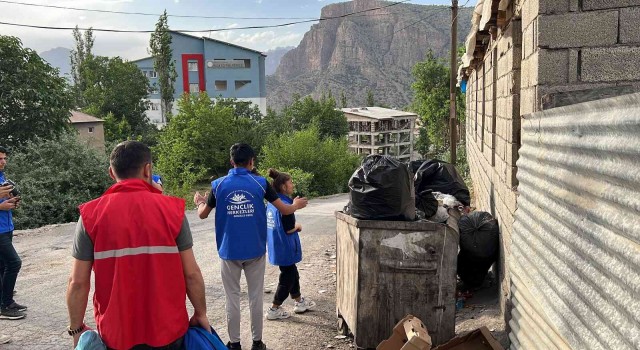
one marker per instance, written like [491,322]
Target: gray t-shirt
[83,246]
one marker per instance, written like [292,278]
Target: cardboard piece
[408,334]
[480,339]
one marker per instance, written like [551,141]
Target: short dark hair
[128,157]
[242,154]
[4,150]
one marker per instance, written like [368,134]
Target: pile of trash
[383,188]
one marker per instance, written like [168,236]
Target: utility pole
[452,81]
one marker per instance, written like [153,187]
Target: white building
[377,130]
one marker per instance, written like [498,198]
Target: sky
[134,45]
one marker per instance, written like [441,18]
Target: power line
[428,17]
[303,19]
[139,13]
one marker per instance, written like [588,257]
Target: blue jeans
[10,265]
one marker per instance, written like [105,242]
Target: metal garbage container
[388,269]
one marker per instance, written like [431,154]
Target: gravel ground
[46,264]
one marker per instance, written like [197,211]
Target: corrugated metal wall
[576,241]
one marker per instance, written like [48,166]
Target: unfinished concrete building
[384,131]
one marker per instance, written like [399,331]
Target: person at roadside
[139,245]
[10,262]
[285,251]
[241,236]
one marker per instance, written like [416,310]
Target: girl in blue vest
[285,251]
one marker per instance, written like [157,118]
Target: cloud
[258,1]
[263,40]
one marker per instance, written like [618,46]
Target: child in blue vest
[285,251]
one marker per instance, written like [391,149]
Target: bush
[301,179]
[55,176]
[329,160]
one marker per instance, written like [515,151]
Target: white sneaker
[276,314]
[304,305]
[4,339]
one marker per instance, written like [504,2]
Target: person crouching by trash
[285,251]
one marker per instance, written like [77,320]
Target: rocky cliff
[373,50]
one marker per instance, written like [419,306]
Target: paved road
[46,264]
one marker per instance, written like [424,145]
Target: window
[155,107]
[241,83]
[91,130]
[151,74]
[155,91]
[221,85]
[194,88]
[193,66]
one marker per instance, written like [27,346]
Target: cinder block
[610,64]
[630,25]
[530,11]
[590,29]
[553,6]
[573,66]
[552,66]
[528,101]
[512,153]
[529,72]
[529,40]
[588,5]
[574,5]
[512,181]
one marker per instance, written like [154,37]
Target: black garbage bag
[479,234]
[473,270]
[426,203]
[382,189]
[440,176]
[479,247]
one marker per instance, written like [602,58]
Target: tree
[81,53]
[164,65]
[196,142]
[329,160]
[119,88]
[343,100]
[55,176]
[431,101]
[34,100]
[370,99]
[307,112]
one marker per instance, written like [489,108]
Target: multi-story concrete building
[214,66]
[377,130]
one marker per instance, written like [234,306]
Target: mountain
[58,58]
[373,50]
[273,58]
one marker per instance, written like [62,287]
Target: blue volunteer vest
[6,217]
[241,218]
[284,249]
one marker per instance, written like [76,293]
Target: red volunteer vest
[140,289]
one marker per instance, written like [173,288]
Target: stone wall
[543,54]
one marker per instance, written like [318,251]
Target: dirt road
[46,264]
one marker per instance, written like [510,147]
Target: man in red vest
[139,244]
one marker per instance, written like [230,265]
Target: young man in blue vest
[241,236]
[10,262]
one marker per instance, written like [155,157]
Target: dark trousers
[10,265]
[289,284]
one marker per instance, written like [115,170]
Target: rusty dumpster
[388,269]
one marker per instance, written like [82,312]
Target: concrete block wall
[493,135]
[549,53]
